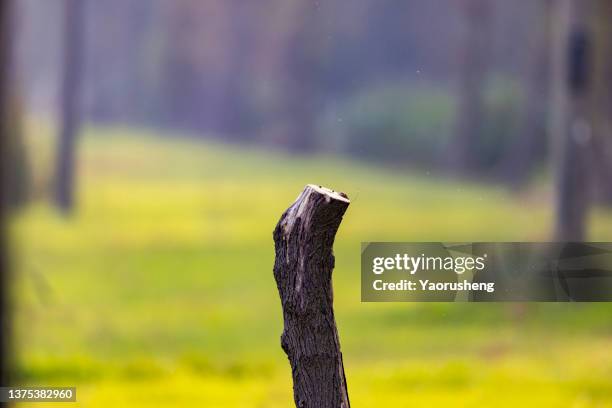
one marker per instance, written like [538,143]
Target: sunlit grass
[159,291]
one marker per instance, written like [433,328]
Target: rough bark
[303,239]
[65,159]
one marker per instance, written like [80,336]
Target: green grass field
[159,291]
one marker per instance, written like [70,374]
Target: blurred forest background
[149,147]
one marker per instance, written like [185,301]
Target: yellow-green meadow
[159,290]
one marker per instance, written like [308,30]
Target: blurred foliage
[374,77]
[395,123]
[160,290]
[503,99]
[412,123]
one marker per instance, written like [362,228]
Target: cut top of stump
[313,200]
[327,192]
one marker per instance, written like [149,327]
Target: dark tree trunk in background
[194,51]
[70,113]
[303,61]
[303,239]
[233,114]
[119,75]
[16,163]
[5,323]
[602,101]
[571,126]
[472,78]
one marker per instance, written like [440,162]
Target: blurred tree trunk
[602,100]
[570,124]
[194,58]
[16,163]
[472,73]
[118,77]
[5,324]
[528,143]
[70,114]
[233,115]
[303,69]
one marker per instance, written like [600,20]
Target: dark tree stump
[303,240]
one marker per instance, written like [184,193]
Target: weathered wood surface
[303,239]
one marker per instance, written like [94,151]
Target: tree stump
[303,238]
